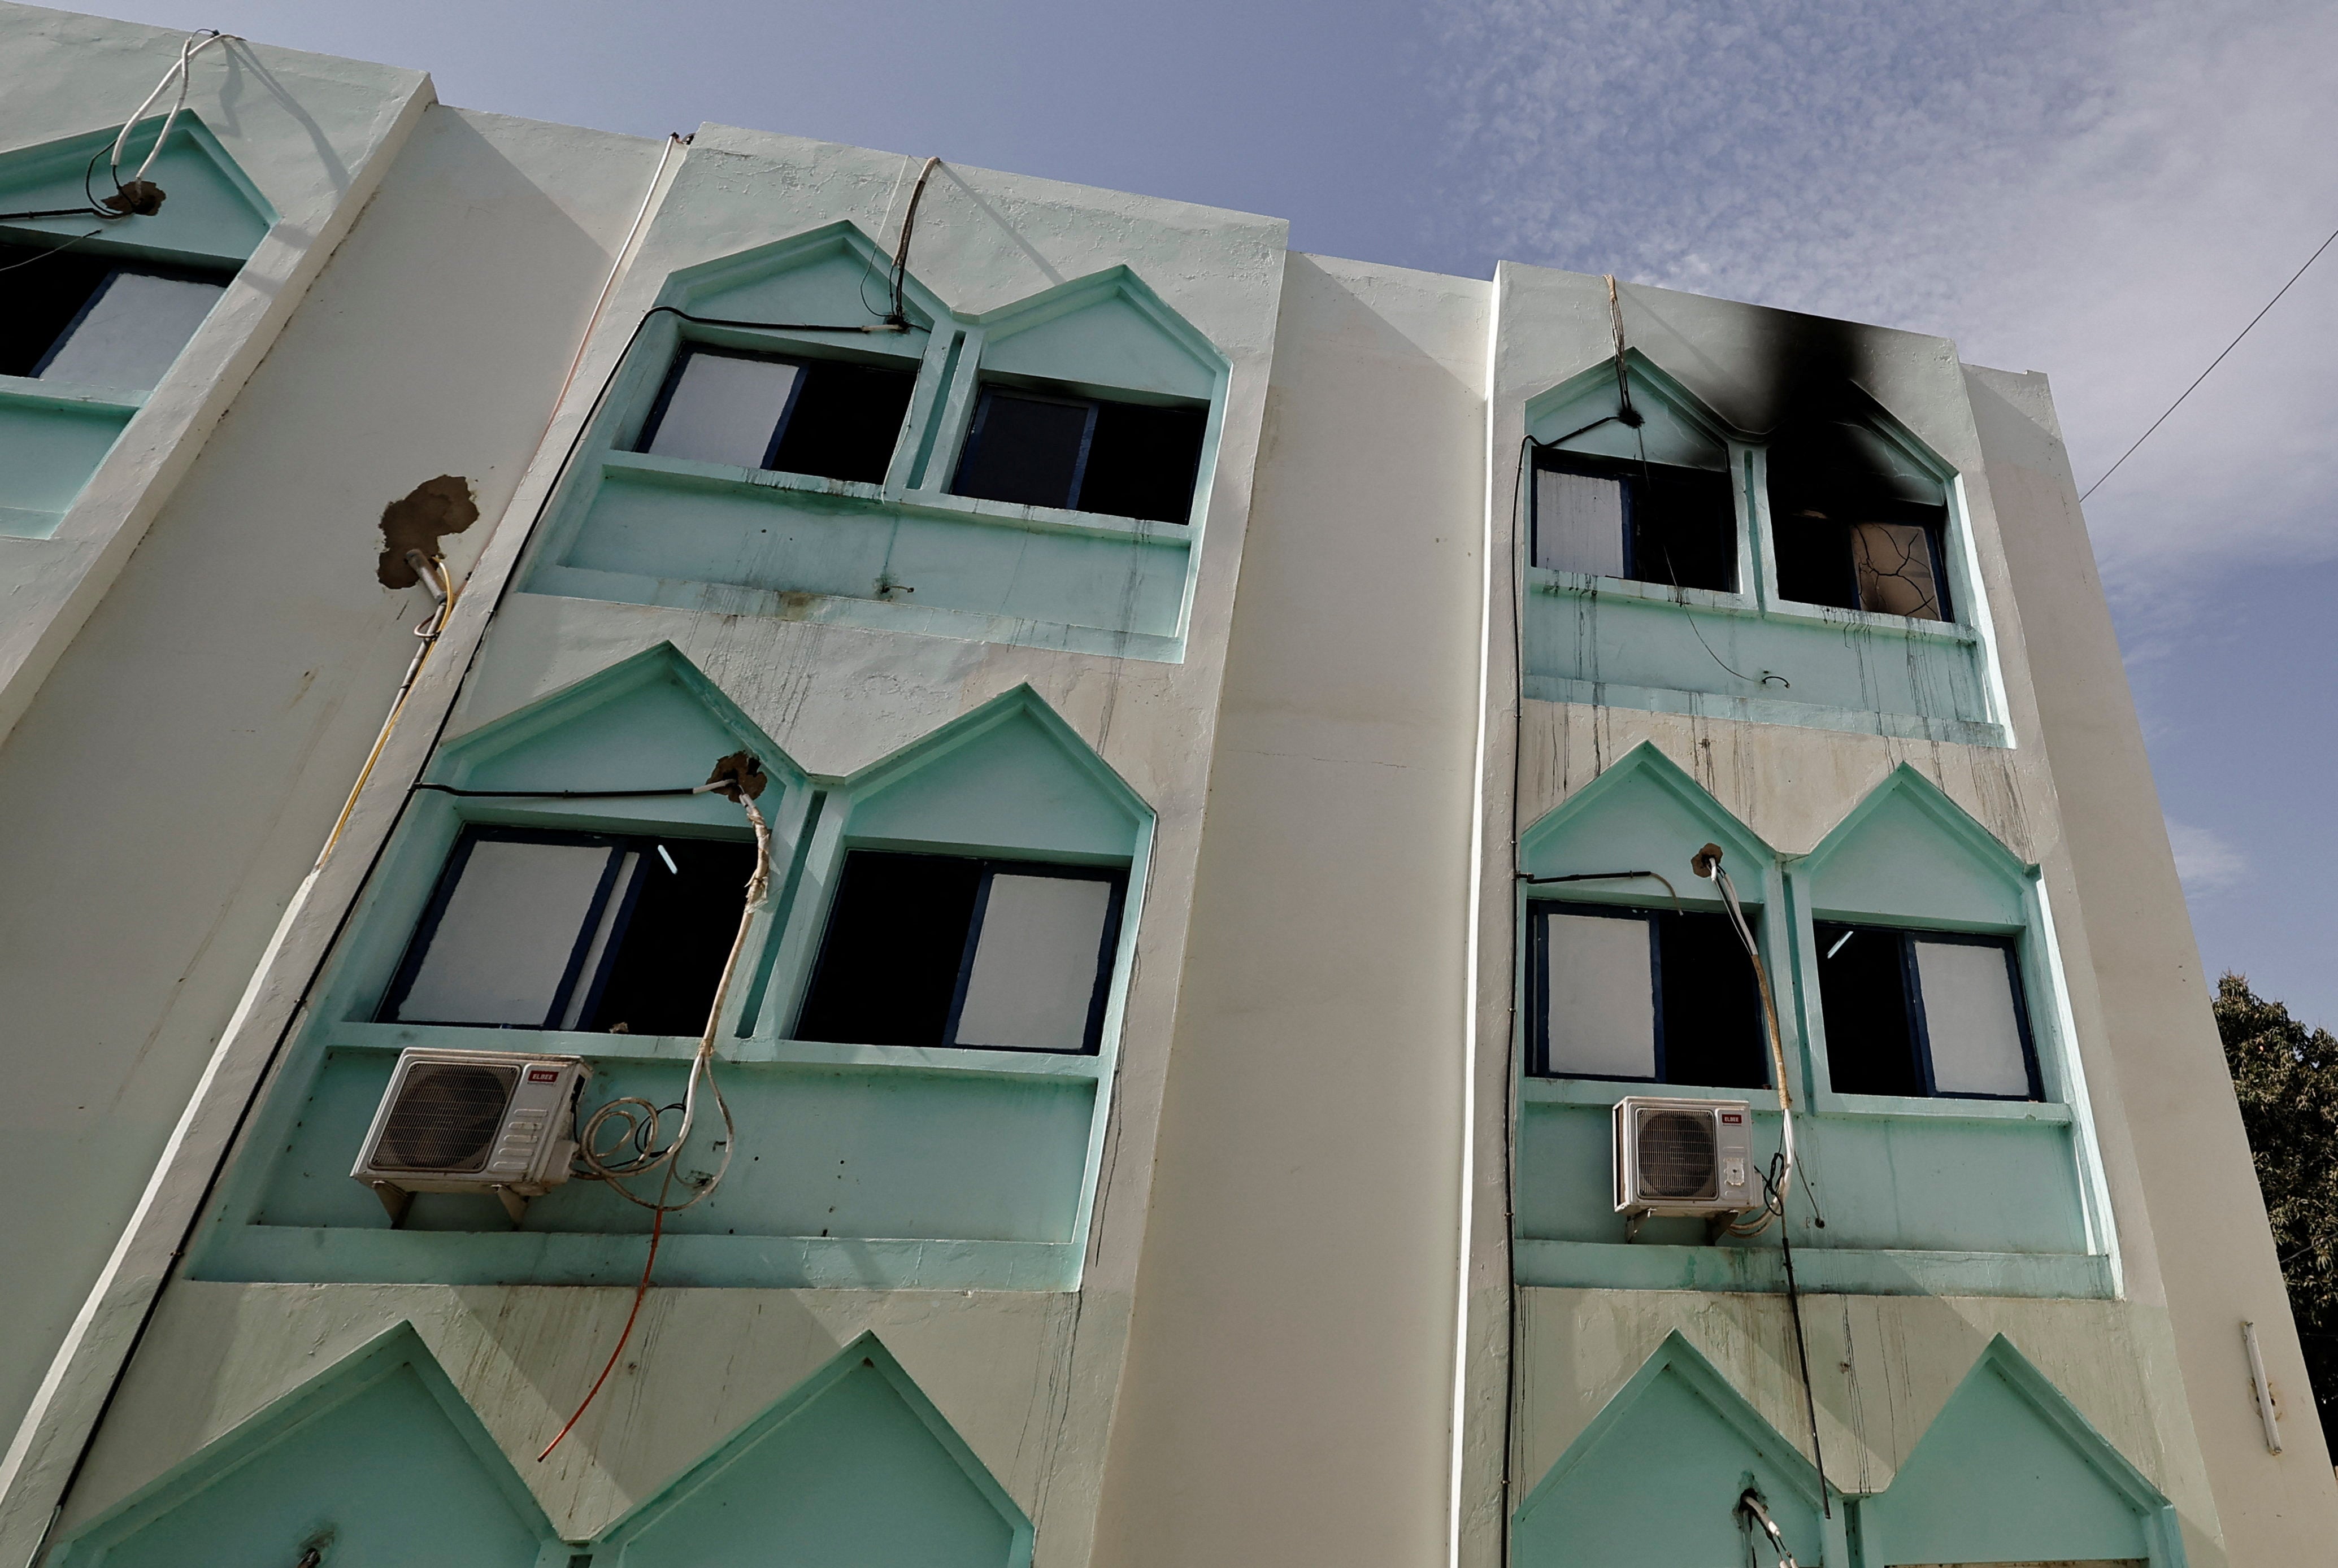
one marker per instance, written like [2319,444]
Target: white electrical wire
[196,43]
[638,1118]
[1751,1508]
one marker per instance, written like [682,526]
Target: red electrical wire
[657,1229]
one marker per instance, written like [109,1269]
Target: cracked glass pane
[1895,568]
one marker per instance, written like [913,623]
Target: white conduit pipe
[195,45]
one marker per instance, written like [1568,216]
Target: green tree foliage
[2286,1077]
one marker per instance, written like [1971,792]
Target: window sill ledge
[936,1062]
[1582,586]
[684,473]
[1604,1092]
[1757,1268]
[28,392]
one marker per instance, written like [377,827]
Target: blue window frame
[1641,995]
[531,929]
[943,950]
[1925,1014]
[1080,454]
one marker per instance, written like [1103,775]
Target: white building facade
[1227,1057]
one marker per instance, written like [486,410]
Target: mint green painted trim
[284,1422]
[337,1256]
[1763,710]
[1118,830]
[702,1488]
[902,556]
[1013,1218]
[1943,684]
[53,437]
[214,213]
[2011,1469]
[727,599]
[1643,1266]
[1657,1474]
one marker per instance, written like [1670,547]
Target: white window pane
[723,409]
[506,934]
[1034,963]
[1603,1015]
[133,331]
[1969,1018]
[1579,523]
[1895,569]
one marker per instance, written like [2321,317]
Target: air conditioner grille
[446,1118]
[1677,1154]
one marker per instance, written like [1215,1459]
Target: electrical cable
[1776,1182]
[133,197]
[1752,1513]
[2219,359]
[740,777]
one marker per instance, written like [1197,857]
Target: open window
[97,321]
[1619,517]
[832,419]
[1857,522]
[1644,995]
[536,929]
[1924,1014]
[937,950]
[1063,450]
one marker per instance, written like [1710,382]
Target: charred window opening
[1083,453]
[1651,521]
[1924,1014]
[598,932]
[943,950]
[1643,995]
[98,321]
[1857,524]
[831,418]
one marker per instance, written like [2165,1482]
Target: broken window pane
[1599,1016]
[723,408]
[1018,953]
[1970,1025]
[131,330]
[1894,563]
[1709,1024]
[1034,971]
[659,975]
[1025,450]
[1855,522]
[1578,523]
[505,933]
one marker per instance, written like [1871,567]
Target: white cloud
[2204,859]
[2105,190]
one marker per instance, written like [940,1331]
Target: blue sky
[2102,191]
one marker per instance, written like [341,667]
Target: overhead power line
[2219,359]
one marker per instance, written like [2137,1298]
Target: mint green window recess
[2010,1472]
[378,1461]
[1656,1476]
[854,1466]
[90,332]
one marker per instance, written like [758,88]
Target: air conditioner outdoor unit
[485,1122]
[1683,1157]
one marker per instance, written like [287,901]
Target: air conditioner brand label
[1728,1118]
[551,1075]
